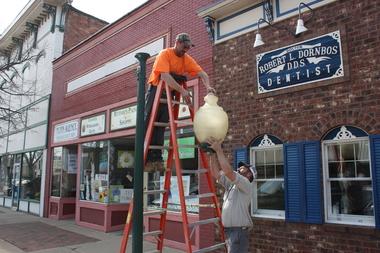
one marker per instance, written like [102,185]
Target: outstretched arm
[222,159]
[214,166]
[206,81]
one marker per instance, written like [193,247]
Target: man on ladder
[167,86]
[170,66]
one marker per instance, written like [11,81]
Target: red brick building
[305,111]
[93,118]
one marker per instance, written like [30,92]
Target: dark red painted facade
[152,20]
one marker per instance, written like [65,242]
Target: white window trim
[264,213]
[347,219]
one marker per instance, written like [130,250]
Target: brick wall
[305,112]
[79,26]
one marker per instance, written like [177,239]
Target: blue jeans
[237,239]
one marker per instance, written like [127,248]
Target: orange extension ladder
[173,154]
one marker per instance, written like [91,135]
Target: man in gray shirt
[236,217]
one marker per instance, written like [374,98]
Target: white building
[43,29]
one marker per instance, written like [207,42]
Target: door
[16,179]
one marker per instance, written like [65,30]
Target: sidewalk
[20,232]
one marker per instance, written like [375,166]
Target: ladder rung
[178,122]
[154,212]
[158,147]
[204,195]
[161,124]
[152,233]
[167,147]
[187,146]
[183,122]
[201,222]
[194,171]
[211,248]
[165,101]
[154,191]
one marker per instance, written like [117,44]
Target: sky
[108,10]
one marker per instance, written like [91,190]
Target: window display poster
[184,153]
[125,159]
[103,162]
[115,193]
[72,164]
[174,193]
[126,195]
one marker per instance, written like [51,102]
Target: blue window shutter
[293,182]
[312,166]
[375,165]
[240,155]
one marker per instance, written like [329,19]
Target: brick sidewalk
[21,233]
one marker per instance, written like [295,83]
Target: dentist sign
[306,62]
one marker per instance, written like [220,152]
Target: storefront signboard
[123,118]
[93,125]
[66,131]
[305,62]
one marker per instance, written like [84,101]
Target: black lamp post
[137,228]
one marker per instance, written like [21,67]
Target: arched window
[40,54]
[25,67]
[347,177]
[266,154]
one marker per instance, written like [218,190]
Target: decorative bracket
[19,42]
[268,10]
[34,29]
[210,26]
[52,10]
[65,9]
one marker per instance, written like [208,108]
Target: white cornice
[222,8]
[30,13]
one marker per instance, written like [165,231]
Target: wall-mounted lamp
[300,24]
[299,29]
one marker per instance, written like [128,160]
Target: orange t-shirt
[167,61]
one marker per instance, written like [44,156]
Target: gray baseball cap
[250,167]
[184,37]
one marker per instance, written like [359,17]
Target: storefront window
[56,173]
[31,175]
[122,163]
[64,171]
[189,160]
[6,176]
[94,172]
